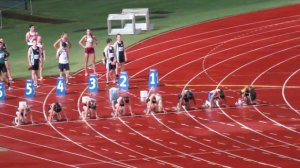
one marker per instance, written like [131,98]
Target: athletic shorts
[3,68]
[89,50]
[121,59]
[111,67]
[36,65]
[63,67]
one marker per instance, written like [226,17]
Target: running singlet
[211,93]
[35,55]
[2,56]
[89,39]
[31,37]
[120,50]
[110,53]
[63,56]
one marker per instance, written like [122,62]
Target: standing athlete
[120,53]
[3,70]
[63,38]
[6,60]
[63,61]
[90,42]
[33,57]
[40,44]
[31,35]
[110,61]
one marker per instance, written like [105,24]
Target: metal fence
[6,5]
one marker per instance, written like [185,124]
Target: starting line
[256,86]
[3,149]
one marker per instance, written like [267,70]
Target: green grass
[165,14]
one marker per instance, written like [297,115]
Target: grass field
[165,14]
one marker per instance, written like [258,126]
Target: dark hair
[57,107]
[153,100]
[92,104]
[30,26]
[118,34]
[221,94]
[64,44]
[252,94]
[126,99]
[108,40]
[189,94]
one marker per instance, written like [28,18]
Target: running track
[260,48]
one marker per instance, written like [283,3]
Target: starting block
[2,91]
[143,95]
[113,93]
[85,99]
[22,104]
[29,88]
[123,81]
[61,86]
[153,78]
[93,83]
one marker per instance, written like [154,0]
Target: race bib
[121,49]
[36,56]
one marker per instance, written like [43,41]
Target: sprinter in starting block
[119,106]
[215,98]
[248,96]
[55,110]
[119,103]
[154,104]
[22,114]
[184,100]
[89,108]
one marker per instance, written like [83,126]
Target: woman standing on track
[3,70]
[120,53]
[34,57]
[31,35]
[90,42]
[110,58]
[40,44]
[6,60]
[63,61]
[63,38]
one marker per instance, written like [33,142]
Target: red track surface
[261,48]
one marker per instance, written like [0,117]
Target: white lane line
[186,146]
[92,146]
[154,150]
[138,146]
[120,153]
[104,149]
[42,158]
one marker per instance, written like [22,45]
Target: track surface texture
[260,48]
